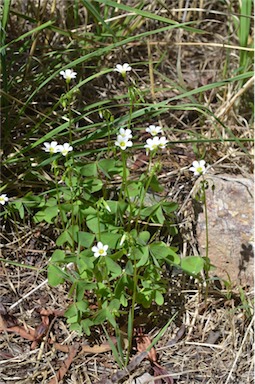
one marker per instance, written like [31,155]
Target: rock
[145,378]
[231,227]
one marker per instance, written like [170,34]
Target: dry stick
[240,349]
[229,103]
[220,45]
[28,294]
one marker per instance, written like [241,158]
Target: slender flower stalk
[199,169]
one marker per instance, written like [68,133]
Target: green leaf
[112,267]
[134,188]
[85,239]
[82,305]
[47,214]
[86,324]
[149,211]
[89,170]
[172,257]
[160,216]
[100,317]
[129,268]
[93,225]
[58,255]
[55,275]
[159,298]
[155,185]
[51,202]
[169,207]
[110,167]
[110,317]
[85,264]
[75,326]
[114,305]
[20,208]
[143,237]
[71,311]
[192,265]
[117,206]
[93,185]
[110,239]
[123,300]
[64,238]
[159,250]
[143,255]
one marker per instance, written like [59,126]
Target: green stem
[69,112]
[151,174]
[206,223]
[55,171]
[124,177]
[206,239]
[131,319]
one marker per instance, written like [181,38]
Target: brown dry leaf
[160,371]
[7,321]
[29,335]
[105,347]
[49,312]
[143,342]
[66,364]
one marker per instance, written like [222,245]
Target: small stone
[230,226]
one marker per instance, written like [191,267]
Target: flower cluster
[156,141]
[123,139]
[54,147]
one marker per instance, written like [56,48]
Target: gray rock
[231,227]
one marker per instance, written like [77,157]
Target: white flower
[154,130]
[198,167]
[68,74]
[123,142]
[126,133]
[100,249]
[3,199]
[52,147]
[65,148]
[152,144]
[123,69]
[162,142]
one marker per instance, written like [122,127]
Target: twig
[240,349]
[28,294]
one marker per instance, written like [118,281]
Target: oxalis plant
[108,247]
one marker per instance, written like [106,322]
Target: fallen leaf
[66,364]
